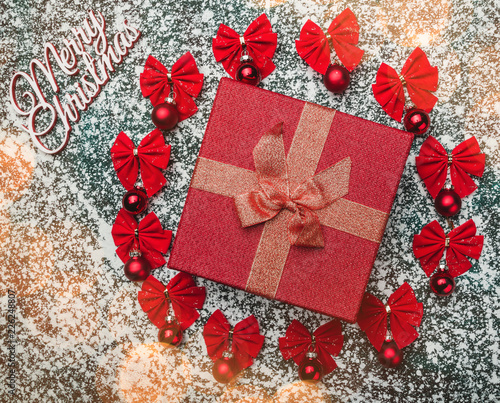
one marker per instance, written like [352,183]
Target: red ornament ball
[137,268]
[336,78]
[171,333]
[225,369]
[417,121]
[135,201]
[448,203]
[442,283]
[390,356]
[165,116]
[310,370]
[248,73]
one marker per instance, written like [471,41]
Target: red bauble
[137,268]
[165,116]
[225,369]
[135,201]
[442,283]
[448,203]
[248,73]
[336,78]
[310,369]
[390,356]
[171,333]
[417,121]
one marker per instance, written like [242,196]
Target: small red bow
[404,312]
[245,340]
[429,246]
[420,78]
[260,42]
[181,292]
[153,155]
[185,78]
[343,33]
[148,237]
[465,159]
[327,340]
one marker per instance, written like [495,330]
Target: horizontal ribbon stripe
[369,223]
[222,179]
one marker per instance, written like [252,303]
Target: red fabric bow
[429,246]
[183,294]
[466,159]
[274,195]
[260,42]
[420,78]
[405,312]
[246,340]
[185,78]
[327,340]
[148,237]
[314,45]
[153,155]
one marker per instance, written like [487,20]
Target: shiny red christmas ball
[417,121]
[137,268]
[248,73]
[448,203]
[165,116]
[311,370]
[171,333]
[442,283]
[135,201]
[390,356]
[225,369]
[336,78]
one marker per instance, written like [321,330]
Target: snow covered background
[80,333]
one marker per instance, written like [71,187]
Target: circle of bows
[181,293]
[462,241]
[404,312]
[148,237]
[420,79]
[244,340]
[185,79]
[274,195]
[327,340]
[153,155]
[343,33]
[465,159]
[259,41]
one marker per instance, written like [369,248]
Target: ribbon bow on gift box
[153,155]
[275,194]
[462,241]
[148,237]
[181,292]
[420,79]
[343,33]
[465,159]
[185,78]
[259,40]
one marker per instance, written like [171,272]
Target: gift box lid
[210,241]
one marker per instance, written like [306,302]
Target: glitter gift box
[289,200]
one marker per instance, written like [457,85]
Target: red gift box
[289,199]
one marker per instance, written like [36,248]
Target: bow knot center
[291,206]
